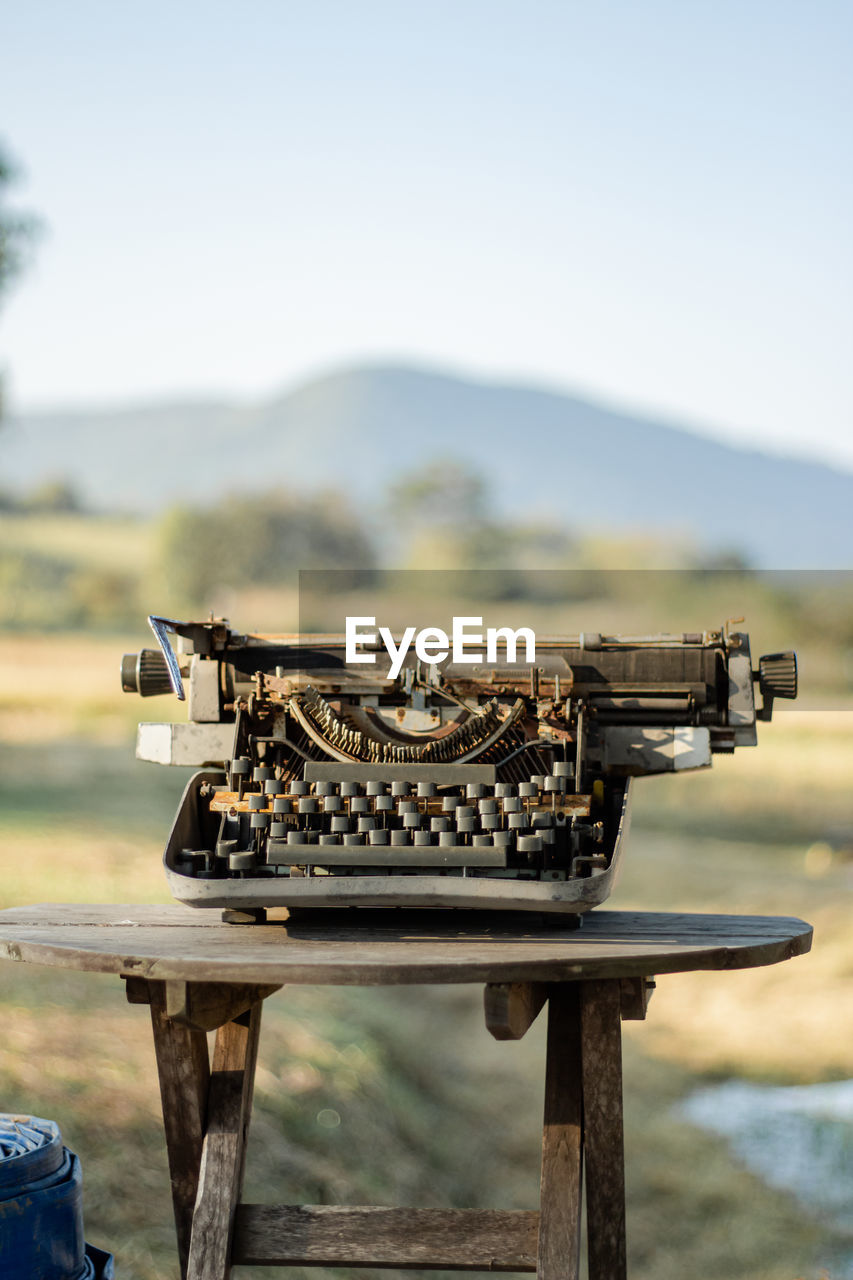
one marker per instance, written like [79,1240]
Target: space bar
[356,855]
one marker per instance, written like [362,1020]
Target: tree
[256,539]
[444,494]
[16,234]
[16,229]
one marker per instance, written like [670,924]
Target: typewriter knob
[777,678]
[777,675]
[145,673]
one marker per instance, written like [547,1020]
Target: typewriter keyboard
[536,829]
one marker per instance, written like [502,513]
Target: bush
[258,540]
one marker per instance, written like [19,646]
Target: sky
[648,203]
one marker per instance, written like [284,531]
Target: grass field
[401,1097]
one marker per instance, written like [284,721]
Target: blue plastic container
[41,1207]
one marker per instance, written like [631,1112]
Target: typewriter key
[190,859]
[488,804]
[377,836]
[407,806]
[308,804]
[411,821]
[529,789]
[564,769]
[339,825]
[543,819]
[502,839]
[529,844]
[273,787]
[207,869]
[465,825]
[422,837]
[279,830]
[512,804]
[447,839]
[439,824]
[299,788]
[449,803]
[359,804]
[375,788]
[490,821]
[504,789]
[282,804]
[329,839]
[257,802]
[481,841]
[297,837]
[243,861]
[425,790]
[241,768]
[474,790]
[465,811]
[350,789]
[366,824]
[352,837]
[400,837]
[325,789]
[259,821]
[384,804]
[261,773]
[518,821]
[399,788]
[332,804]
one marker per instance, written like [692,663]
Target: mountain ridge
[547,456]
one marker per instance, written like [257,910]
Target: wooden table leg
[601,1054]
[224,1147]
[183,1068]
[562,1140]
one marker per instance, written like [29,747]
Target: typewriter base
[470,892]
[479,892]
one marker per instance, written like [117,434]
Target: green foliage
[57,495]
[46,593]
[16,229]
[443,494]
[28,585]
[259,539]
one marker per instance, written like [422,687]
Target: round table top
[371,948]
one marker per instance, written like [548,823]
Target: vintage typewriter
[496,786]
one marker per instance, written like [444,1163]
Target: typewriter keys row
[274,826]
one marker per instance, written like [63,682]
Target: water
[798,1139]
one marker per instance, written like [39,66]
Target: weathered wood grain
[511,1008]
[136,990]
[604,1160]
[446,1239]
[183,1068]
[161,942]
[208,1005]
[635,996]
[229,1107]
[562,1140]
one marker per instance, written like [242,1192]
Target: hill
[547,456]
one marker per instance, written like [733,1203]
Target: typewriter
[496,786]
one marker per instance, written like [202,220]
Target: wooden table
[199,975]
